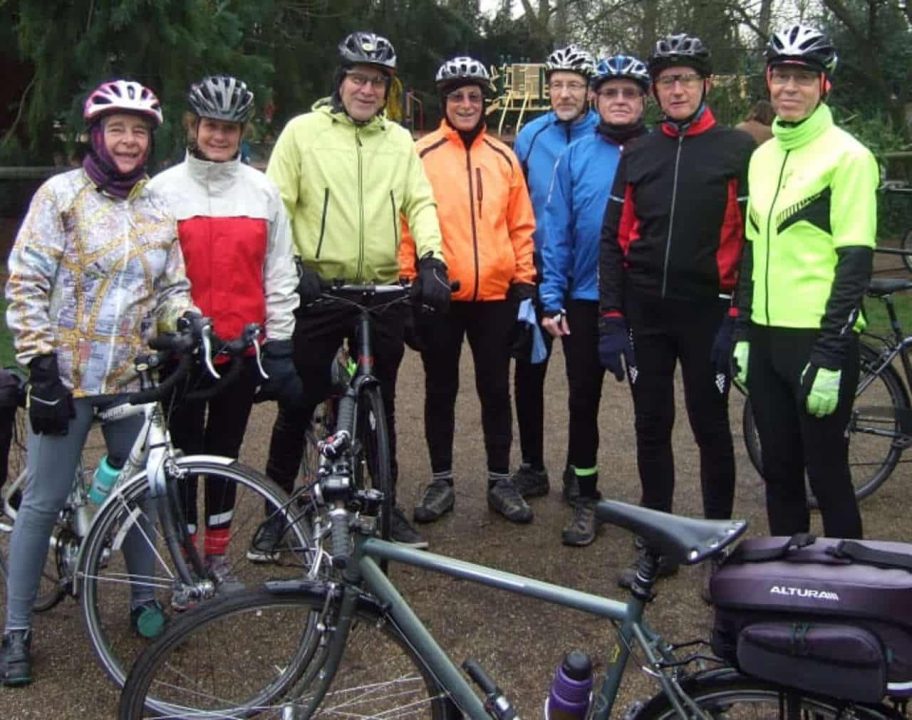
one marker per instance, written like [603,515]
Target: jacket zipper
[395,223]
[360,270]
[769,220]
[671,215]
[479,191]
[323,221]
[474,229]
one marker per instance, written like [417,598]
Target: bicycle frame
[366,572]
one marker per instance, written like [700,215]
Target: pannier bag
[820,614]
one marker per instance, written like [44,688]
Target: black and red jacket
[674,225]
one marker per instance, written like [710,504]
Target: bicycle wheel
[127,524]
[727,694]
[907,246]
[371,453]
[194,669]
[876,440]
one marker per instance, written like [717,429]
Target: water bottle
[103,480]
[571,690]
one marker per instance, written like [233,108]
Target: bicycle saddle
[885,286]
[684,540]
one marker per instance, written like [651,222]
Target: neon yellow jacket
[344,186]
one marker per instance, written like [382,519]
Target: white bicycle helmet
[221,97]
[570,59]
[122,96]
[802,45]
[367,48]
[463,71]
[680,49]
[621,67]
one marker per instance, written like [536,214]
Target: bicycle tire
[105,585]
[189,670]
[907,246]
[880,399]
[733,696]
[371,454]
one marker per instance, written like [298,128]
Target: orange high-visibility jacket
[485,214]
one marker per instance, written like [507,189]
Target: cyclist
[236,241]
[569,287]
[538,144]
[487,222]
[802,282]
[345,174]
[95,267]
[670,246]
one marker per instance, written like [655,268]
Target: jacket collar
[452,134]
[217,176]
[703,122]
[377,123]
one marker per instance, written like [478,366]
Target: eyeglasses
[802,78]
[473,98]
[377,81]
[625,92]
[687,80]
[572,86]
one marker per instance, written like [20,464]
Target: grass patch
[876,314]
[7,357]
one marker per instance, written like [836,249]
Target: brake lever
[206,337]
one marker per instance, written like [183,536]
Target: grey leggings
[51,464]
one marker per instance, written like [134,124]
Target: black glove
[310,286]
[284,383]
[432,286]
[721,353]
[50,404]
[521,291]
[614,342]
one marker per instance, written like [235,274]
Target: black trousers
[215,426]
[665,332]
[317,336]
[584,379]
[529,397]
[793,441]
[488,326]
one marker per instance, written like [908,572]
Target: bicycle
[144,515]
[360,651]
[880,427]
[900,187]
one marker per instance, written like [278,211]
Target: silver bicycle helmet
[570,59]
[221,97]
[621,67]
[680,49]
[802,45]
[463,71]
[367,48]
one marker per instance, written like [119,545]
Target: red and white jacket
[236,241]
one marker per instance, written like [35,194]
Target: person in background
[537,146]
[487,223]
[96,270]
[811,231]
[671,244]
[758,121]
[236,242]
[569,288]
[347,175]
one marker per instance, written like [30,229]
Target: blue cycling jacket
[572,224]
[537,147]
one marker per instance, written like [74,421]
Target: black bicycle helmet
[802,45]
[462,71]
[570,59]
[680,49]
[221,97]
[621,67]
[367,48]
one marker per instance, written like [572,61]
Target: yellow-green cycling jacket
[812,196]
[344,186]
